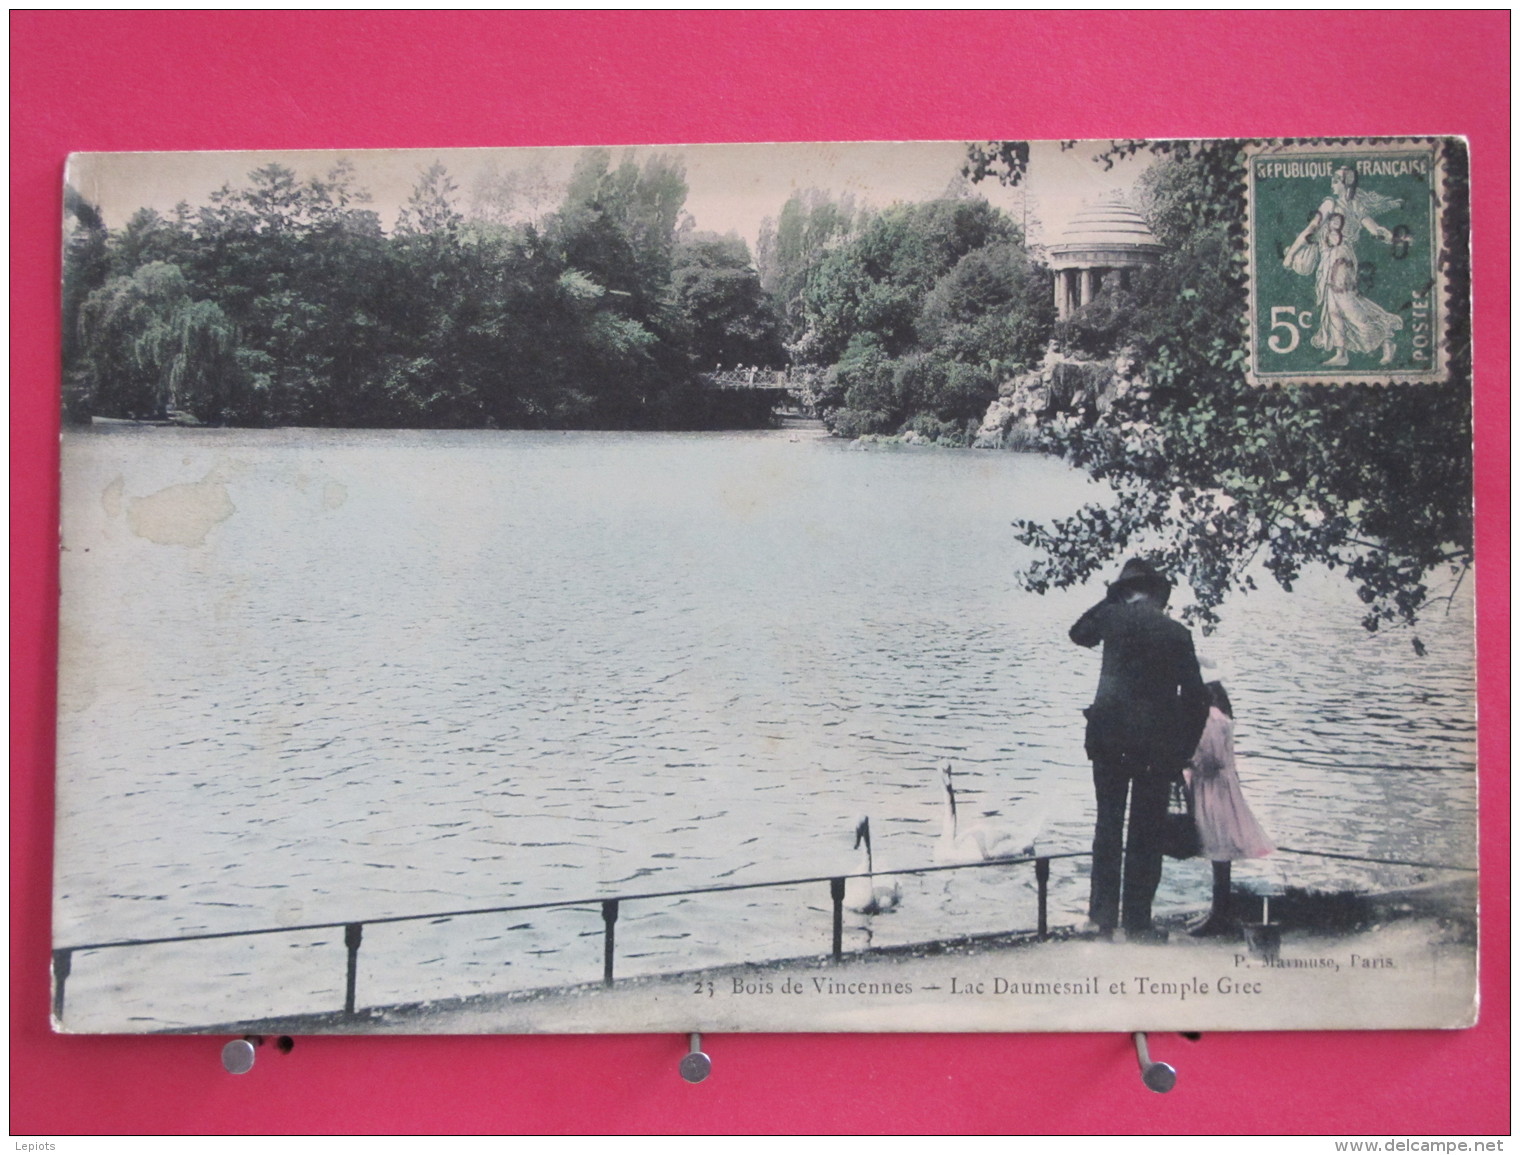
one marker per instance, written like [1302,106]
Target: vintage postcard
[843,587]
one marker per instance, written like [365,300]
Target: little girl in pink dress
[1227,829]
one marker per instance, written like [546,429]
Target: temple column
[1089,285]
[1066,292]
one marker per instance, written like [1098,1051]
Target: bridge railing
[755,379]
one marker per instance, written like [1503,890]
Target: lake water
[315,676]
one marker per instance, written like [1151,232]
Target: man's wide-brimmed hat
[1139,574]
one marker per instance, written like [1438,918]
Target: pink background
[99,80]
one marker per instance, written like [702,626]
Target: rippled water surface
[416,672]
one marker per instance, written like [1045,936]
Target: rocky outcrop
[1060,388]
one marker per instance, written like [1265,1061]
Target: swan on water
[861,893]
[980,841]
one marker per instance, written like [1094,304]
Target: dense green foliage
[918,313]
[148,336]
[1211,475]
[793,243]
[283,301]
[728,317]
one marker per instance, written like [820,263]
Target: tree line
[283,301]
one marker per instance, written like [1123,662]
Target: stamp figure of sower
[1326,250]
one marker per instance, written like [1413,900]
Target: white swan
[981,841]
[861,894]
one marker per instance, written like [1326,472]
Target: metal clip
[695,1066]
[1159,1077]
[237,1056]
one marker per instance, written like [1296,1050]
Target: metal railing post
[609,920]
[836,892]
[63,961]
[1042,887]
[353,934]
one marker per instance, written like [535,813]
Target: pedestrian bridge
[787,389]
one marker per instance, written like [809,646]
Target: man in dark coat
[1143,725]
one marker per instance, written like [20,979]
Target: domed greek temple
[1107,237]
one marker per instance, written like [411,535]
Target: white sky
[732,187]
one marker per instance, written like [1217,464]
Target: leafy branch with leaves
[1217,479]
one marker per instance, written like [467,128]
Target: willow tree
[152,350]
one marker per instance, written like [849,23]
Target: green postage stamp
[1347,262]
